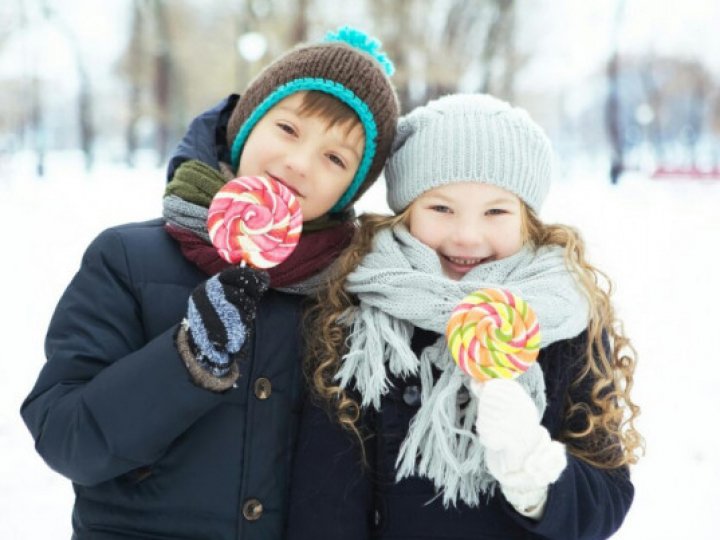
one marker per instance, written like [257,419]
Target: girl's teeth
[464,261]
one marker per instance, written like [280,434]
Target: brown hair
[608,439]
[329,108]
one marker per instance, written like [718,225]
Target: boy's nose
[299,161]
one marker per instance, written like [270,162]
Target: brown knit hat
[348,65]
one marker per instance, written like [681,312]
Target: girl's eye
[336,160]
[441,208]
[287,128]
[496,212]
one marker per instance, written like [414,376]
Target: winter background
[657,238]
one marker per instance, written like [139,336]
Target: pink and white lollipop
[255,220]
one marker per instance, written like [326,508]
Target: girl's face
[467,224]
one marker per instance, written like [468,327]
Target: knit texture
[220,313]
[473,138]
[519,451]
[350,67]
[400,285]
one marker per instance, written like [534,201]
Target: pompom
[360,40]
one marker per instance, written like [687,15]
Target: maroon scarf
[315,252]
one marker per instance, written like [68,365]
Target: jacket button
[263,388]
[411,395]
[252,510]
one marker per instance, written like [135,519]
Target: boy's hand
[220,311]
[519,451]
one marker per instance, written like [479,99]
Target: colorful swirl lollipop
[256,220]
[493,334]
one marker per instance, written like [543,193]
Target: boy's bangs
[330,109]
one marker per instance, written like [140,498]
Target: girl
[425,452]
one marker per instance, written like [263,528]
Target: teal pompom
[360,40]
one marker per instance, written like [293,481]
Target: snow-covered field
[658,240]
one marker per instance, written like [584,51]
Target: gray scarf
[400,285]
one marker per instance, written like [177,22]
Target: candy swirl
[256,220]
[493,334]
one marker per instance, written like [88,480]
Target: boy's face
[316,162]
[467,224]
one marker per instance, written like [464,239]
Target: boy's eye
[496,212]
[287,128]
[441,208]
[337,160]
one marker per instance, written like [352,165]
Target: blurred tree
[86,125]
[499,58]
[443,45]
[299,32]
[612,105]
[163,86]
[679,93]
[35,120]
[152,90]
[132,66]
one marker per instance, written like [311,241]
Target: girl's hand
[519,451]
[507,418]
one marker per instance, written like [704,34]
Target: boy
[173,429]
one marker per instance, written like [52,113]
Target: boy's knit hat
[468,137]
[348,65]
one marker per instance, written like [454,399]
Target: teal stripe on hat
[329,87]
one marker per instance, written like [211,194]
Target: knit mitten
[219,317]
[519,451]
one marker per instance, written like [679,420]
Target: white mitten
[519,451]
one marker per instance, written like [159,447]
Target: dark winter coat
[333,496]
[150,454]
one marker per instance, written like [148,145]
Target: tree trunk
[162,81]
[134,96]
[612,108]
[300,26]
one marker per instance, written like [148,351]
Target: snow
[658,240]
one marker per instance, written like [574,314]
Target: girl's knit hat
[468,137]
[348,65]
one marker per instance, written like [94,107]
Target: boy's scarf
[185,209]
[400,285]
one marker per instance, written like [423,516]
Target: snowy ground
[658,240]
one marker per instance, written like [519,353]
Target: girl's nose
[468,233]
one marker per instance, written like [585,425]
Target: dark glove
[220,313]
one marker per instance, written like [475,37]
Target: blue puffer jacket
[150,454]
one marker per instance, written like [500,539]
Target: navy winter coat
[150,454]
[334,496]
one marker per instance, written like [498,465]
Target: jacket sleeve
[331,494]
[108,400]
[586,502]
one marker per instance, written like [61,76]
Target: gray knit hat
[468,137]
